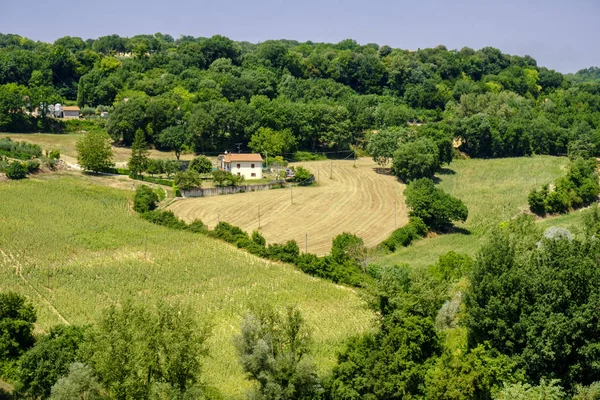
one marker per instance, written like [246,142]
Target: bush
[258,238]
[189,179]
[197,226]
[16,170]
[405,235]
[537,200]
[287,252]
[303,176]
[32,166]
[452,266]
[145,199]
[308,156]
[164,218]
[155,166]
[229,233]
[415,160]
[176,190]
[201,165]
[54,155]
[20,150]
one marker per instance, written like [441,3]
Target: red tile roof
[235,157]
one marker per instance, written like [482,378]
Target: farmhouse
[247,165]
[70,112]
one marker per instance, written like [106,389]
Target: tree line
[307,96]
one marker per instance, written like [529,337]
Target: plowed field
[358,200]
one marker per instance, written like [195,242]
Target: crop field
[351,199]
[494,191]
[74,247]
[66,144]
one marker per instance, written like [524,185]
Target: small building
[70,112]
[247,165]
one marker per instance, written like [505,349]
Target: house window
[238,165]
[253,174]
[251,165]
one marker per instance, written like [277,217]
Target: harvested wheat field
[357,200]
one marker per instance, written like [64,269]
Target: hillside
[86,244]
[494,191]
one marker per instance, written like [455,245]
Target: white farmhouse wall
[246,169]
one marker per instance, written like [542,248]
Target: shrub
[176,190]
[32,166]
[308,156]
[189,179]
[164,218]
[197,226]
[287,252]
[20,150]
[452,266]
[405,235]
[16,170]
[537,200]
[228,232]
[303,176]
[347,247]
[145,199]
[258,238]
[201,165]
[415,160]
[155,166]
[54,155]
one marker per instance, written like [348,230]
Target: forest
[320,97]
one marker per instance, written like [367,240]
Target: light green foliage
[591,392]
[274,352]
[546,390]
[79,384]
[416,159]
[99,251]
[135,346]
[188,179]
[452,266]
[94,152]
[302,175]
[347,247]
[16,170]
[268,141]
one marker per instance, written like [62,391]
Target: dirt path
[347,199]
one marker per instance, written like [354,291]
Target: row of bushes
[577,189]
[339,269]
[17,169]
[20,150]
[404,236]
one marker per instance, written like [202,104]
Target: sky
[561,35]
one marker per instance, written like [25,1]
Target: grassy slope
[94,248]
[493,190]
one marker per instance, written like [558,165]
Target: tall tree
[94,152]
[138,162]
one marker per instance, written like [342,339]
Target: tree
[145,199]
[94,152]
[174,138]
[274,351]
[219,177]
[267,141]
[435,207]
[415,160]
[171,167]
[189,179]
[135,347]
[383,144]
[17,317]
[48,360]
[79,384]
[347,247]
[201,165]
[138,162]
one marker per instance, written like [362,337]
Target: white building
[69,112]
[247,165]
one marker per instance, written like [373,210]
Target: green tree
[174,138]
[79,384]
[434,206]
[383,144]
[267,141]
[274,352]
[201,164]
[94,152]
[17,317]
[145,199]
[189,179]
[138,162]
[415,160]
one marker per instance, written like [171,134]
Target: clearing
[494,190]
[74,247]
[350,199]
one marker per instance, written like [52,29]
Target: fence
[207,192]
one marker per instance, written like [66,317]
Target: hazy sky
[563,35]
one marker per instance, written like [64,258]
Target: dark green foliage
[347,247]
[164,218]
[436,208]
[405,235]
[258,238]
[415,160]
[17,317]
[274,352]
[174,138]
[20,150]
[197,226]
[186,180]
[228,232]
[32,166]
[201,164]
[145,199]
[16,170]
[287,252]
[138,162]
[383,144]
[48,360]
[535,298]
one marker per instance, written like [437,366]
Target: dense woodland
[310,96]
[520,321]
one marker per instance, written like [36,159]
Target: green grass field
[74,247]
[494,190]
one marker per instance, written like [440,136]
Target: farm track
[357,199]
